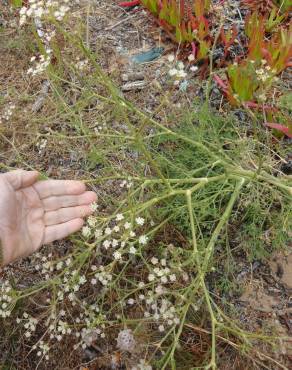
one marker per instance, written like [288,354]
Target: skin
[33,213]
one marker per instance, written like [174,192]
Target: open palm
[34,212]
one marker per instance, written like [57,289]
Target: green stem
[192,222]
[221,223]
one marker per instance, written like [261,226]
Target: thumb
[21,179]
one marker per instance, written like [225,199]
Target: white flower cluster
[42,349]
[71,280]
[46,266]
[158,308]
[59,330]
[89,313]
[5,298]
[118,235]
[265,76]
[41,63]
[177,70]
[162,272]
[162,311]
[58,327]
[8,111]
[81,64]
[99,127]
[41,145]
[121,234]
[30,324]
[126,183]
[265,73]
[88,336]
[94,206]
[40,8]
[102,276]
[119,239]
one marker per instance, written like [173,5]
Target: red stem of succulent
[194,49]
[250,104]
[221,83]
[279,127]
[126,4]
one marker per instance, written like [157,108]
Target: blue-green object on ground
[147,56]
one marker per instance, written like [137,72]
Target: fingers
[66,214]
[21,179]
[55,202]
[50,188]
[61,231]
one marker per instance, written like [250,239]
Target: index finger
[49,188]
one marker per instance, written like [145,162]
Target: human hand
[35,212]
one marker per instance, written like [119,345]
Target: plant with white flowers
[147,260]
